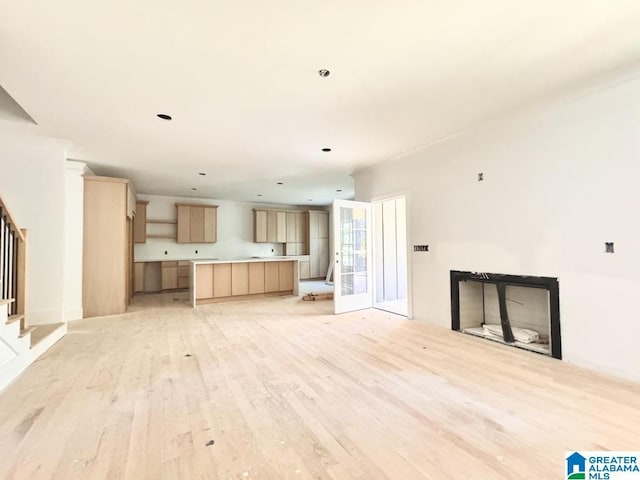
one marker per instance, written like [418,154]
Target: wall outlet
[608,247]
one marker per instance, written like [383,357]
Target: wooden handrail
[12,223]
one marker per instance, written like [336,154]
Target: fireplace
[520,311]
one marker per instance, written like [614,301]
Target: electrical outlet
[608,247]
[480,176]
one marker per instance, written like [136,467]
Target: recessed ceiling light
[202,174]
[164,116]
[311,199]
[339,190]
[194,188]
[280,183]
[259,194]
[323,72]
[326,149]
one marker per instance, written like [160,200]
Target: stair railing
[13,263]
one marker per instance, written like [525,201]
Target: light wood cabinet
[140,222]
[204,281]
[281,226]
[271,277]
[256,277]
[318,243]
[272,226]
[239,279]
[260,226]
[138,277]
[222,280]
[291,227]
[196,223]
[108,273]
[304,270]
[285,276]
[183,273]
[169,275]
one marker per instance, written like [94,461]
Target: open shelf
[170,236]
[167,222]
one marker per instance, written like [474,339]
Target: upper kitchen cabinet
[278,226]
[140,222]
[197,223]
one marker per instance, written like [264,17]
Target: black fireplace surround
[501,281]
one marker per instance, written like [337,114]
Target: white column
[74,201]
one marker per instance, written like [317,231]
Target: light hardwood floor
[288,391]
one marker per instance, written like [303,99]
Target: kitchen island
[223,280]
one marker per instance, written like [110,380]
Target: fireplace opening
[516,310]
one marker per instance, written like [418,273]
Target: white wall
[559,182]
[235,232]
[74,218]
[32,183]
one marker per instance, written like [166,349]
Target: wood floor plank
[278,388]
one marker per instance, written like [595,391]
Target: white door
[352,259]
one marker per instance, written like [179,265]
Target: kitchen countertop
[218,260]
[204,261]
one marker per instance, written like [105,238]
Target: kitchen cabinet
[204,281]
[276,226]
[140,222]
[304,270]
[219,281]
[256,277]
[271,277]
[213,280]
[285,276]
[138,277]
[239,279]
[260,226]
[196,223]
[279,226]
[318,243]
[296,234]
[183,273]
[169,275]
[222,280]
[108,274]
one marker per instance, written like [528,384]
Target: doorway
[390,255]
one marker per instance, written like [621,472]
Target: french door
[352,260]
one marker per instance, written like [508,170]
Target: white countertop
[218,260]
[250,260]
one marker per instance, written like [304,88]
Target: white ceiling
[240,80]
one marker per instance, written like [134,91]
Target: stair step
[26,331]
[6,301]
[14,318]
[43,331]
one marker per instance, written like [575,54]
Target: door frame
[409,249]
